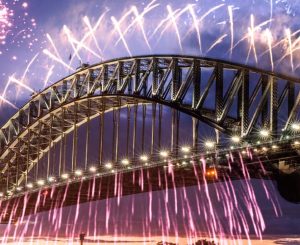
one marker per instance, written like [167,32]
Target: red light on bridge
[45,193]
[211,173]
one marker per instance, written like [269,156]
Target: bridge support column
[128,130]
[143,127]
[101,134]
[134,131]
[75,139]
[175,132]
[27,157]
[196,83]
[291,96]
[38,153]
[219,90]
[153,128]
[264,112]
[61,168]
[87,137]
[195,134]
[273,106]
[160,114]
[244,109]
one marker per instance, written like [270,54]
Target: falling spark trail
[68,34]
[219,40]
[195,23]
[87,35]
[140,23]
[203,17]
[28,67]
[14,80]
[139,19]
[230,13]
[289,38]
[251,33]
[48,53]
[49,74]
[2,99]
[255,28]
[72,40]
[53,46]
[166,23]
[173,20]
[91,31]
[117,27]
[269,41]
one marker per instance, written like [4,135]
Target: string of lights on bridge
[188,157]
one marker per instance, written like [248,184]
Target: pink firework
[5,24]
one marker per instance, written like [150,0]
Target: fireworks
[154,28]
[5,14]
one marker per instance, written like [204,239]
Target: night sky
[42,41]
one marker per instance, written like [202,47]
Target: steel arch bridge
[253,106]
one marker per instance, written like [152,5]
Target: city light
[264,133]
[65,176]
[164,153]
[29,185]
[144,158]
[1,194]
[125,161]
[185,149]
[235,139]
[19,188]
[41,182]
[51,179]
[108,165]
[275,147]
[93,169]
[296,142]
[78,172]
[209,144]
[296,126]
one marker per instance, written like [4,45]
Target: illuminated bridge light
[125,161]
[65,176]
[108,165]
[296,126]
[264,133]
[92,169]
[211,173]
[275,147]
[41,182]
[297,143]
[1,194]
[19,188]
[51,179]
[29,185]
[164,153]
[78,172]
[235,139]
[144,158]
[209,144]
[185,149]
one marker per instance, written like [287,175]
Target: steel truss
[234,99]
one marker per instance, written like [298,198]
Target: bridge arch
[193,85]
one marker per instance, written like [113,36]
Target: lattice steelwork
[234,99]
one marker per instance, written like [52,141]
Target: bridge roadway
[261,163]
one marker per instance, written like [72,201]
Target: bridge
[149,123]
